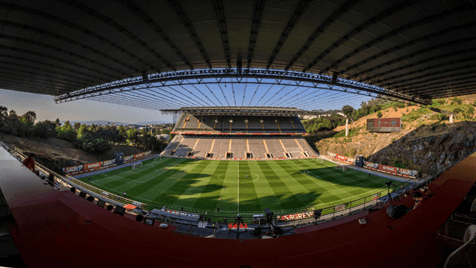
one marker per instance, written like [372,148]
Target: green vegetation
[316,125]
[352,132]
[322,124]
[456,101]
[243,187]
[89,138]
[415,114]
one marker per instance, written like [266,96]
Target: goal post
[341,167]
[133,166]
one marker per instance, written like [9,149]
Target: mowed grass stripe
[287,198]
[325,180]
[310,191]
[267,198]
[340,179]
[355,186]
[135,174]
[202,188]
[248,197]
[165,179]
[227,194]
[145,192]
[179,182]
[197,185]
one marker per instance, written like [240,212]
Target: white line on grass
[238,208]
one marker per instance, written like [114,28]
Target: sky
[81,110]
[176,97]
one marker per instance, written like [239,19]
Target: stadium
[244,180]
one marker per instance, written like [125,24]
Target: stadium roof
[420,48]
[248,110]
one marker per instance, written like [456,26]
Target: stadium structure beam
[177,7]
[220,75]
[250,110]
[398,31]
[321,29]
[365,25]
[298,12]
[257,14]
[154,26]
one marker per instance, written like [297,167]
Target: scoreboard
[384,125]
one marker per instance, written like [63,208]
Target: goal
[344,168]
[133,166]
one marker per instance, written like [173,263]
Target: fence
[328,213]
[290,219]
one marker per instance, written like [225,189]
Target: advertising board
[96,165]
[72,169]
[137,156]
[109,162]
[296,216]
[384,125]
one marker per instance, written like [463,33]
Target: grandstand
[218,133]
[170,54]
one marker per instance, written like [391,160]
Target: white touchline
[238,208]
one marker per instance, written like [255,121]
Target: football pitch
[244,187]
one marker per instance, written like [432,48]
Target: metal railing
[328,213]
[73,182]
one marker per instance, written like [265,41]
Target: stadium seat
[460,254]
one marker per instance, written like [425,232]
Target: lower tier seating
[255,147]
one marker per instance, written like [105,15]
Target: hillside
[57,153]
[427,141]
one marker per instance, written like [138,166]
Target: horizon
[81,110]
[93,110]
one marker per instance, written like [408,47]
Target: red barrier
[341,157]
[93,165]
[388,169]
[140,155]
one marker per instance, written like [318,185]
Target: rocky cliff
[429,149]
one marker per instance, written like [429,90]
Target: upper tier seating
[206,123]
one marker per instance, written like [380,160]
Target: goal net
[133,166]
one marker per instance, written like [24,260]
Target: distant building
[163,136]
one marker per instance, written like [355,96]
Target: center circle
[252,177]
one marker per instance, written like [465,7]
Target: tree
[77,126]
[28,118]
[90,143]
[66,132]
[45,129]
[379,114]
[348,110]
[57,122]
[12,116]
[83,129]
[93,128]
[3,113]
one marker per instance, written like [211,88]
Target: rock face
[429,149]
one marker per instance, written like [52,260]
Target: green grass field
[284,186]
